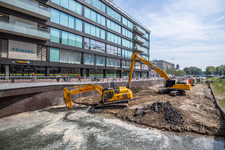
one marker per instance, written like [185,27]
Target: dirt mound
[137,89]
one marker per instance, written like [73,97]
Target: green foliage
[220,70]
[218,85]
[193,70]
[175,72]
[210,70]
[222,102]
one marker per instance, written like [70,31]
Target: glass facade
[127,33]
[113,38]
[127,23]
[94,45]
[3,48]
[71,5]
[113,50]
[146,51]
[127,43]
[41,52]
[114,26]
[113,14]
[66,20]
[126,64]
[64,56]
[89,59]
[146,57]
[146,35]
[95,31]
[112,62]
[96,17]
[100,60]
[97,4]
[66,38]
[145,43]
[126,53]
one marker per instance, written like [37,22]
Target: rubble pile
[170,113]
[93,110]
[136,89]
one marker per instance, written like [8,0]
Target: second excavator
[171,86]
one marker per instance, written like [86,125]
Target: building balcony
[139,39]
[139,30]
[22,29]
[27,7]
[138,48]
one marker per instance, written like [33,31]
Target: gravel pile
[136,89]
[93,110]
[170,113]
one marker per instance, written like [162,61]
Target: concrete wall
[15,101]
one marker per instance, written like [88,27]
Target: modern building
[162,64]
[87,37]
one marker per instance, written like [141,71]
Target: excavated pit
[194,112]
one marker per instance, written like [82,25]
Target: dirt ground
[193,112]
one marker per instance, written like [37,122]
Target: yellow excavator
[171,86]
[109,95]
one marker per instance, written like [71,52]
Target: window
[66,20]
[137,65]
[86,43]
[126,64]
[54,16]
[100,60]
[3,48]
[54,35]
[146,35]
[127,23]
[113,14]
[79,25]
[113,38]
[70,4]
[146,57]
[127,33]
[114,26]
[146,43]
[68,56]
[126,53]
[127,43]
[97,3]
[146,51]
[112,62]
[54,54]
[95,31]
[94,45]
[113,50]
[89,59]
[66,38]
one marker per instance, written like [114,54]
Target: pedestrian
[58,77]
[79,78]
[65,77]
[33,76]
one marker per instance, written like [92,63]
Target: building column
[47,71]
[105,73]
[147,74]
[48,54]
[140,74]
[7,72]
[82,72]
[120,73]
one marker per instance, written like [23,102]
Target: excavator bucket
[67,99]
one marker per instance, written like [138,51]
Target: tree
[193,70]
[220,70]
[210,70]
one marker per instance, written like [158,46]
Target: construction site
[194,112]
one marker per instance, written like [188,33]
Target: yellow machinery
[171,86]
[109,95]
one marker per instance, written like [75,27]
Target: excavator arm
[79,89]
[149,64]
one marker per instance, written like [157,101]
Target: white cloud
[186,29]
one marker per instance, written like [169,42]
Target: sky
[184,32]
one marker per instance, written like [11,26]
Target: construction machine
[171,86]
[109,95]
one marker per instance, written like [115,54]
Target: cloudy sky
[184,32]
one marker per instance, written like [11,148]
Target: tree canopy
[193,70]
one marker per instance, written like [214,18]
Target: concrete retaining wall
[222,111]
[13,101]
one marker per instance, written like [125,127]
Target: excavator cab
[107,95]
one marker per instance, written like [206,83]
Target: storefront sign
[91,60]
[20,62]
[22,50]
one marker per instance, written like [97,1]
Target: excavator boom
[79,89]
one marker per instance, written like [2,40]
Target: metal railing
[42,79]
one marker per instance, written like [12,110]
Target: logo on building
[22,50]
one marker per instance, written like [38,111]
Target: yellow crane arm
[149,64]
[79,89]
